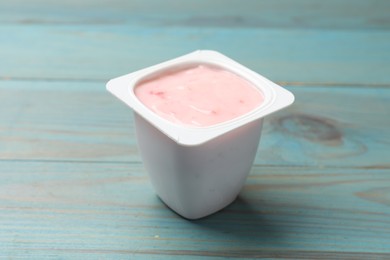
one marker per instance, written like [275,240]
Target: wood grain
[85,123]
[314,14]
[101,52]
[110,210]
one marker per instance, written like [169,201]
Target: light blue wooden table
[72,184]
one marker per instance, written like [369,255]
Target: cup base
[198,215]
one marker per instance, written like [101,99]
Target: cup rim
[275,97]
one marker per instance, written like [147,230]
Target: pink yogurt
[199,96]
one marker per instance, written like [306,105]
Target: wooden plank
[80,121]
[88,52]
[110,210]
[333,14]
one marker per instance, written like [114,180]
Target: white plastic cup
[197,171]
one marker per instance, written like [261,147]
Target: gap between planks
[282,83]
[368,167]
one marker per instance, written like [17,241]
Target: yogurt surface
[199,96]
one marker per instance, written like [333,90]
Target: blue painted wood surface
[72,184]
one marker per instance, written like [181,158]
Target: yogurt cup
[197,171]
